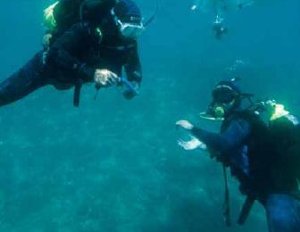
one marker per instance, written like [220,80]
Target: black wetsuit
[72,59]
[68,12]
[246,146]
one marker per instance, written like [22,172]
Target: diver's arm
[133,67]
[72,41]
[232,137]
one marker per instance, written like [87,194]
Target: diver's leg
[283,213]
[23,82]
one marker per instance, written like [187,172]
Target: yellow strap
[49,19]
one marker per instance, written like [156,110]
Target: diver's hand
[105,78]
[192,144]
[129,94]
[47,39]
[185,124]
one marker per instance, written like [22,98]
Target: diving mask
[223,102]
[130,30]
[223,94]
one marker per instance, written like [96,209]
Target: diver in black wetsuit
[263,156]
[89,51]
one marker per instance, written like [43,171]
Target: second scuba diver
[263,156]
[218,28]
[95,49]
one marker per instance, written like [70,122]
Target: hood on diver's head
[226,91]
[226,97]
[128,18]
[128,12]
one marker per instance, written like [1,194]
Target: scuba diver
[95,49]
[260,143]
[220,7]
[218,28]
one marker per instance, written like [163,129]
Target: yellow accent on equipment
[49,19]
[279,112]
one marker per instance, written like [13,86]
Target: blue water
[113,165]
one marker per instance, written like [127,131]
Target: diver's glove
[131,93]
[193,143]
[105,78]
[185,125]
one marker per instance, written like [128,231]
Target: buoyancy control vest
[274,157]
[61,15]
